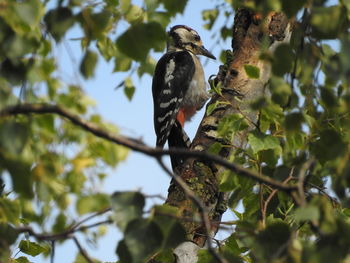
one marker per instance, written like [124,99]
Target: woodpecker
[178,87]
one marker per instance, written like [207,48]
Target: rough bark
[248,35]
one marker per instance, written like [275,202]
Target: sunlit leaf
[134,14]
[307,213]
[252,71]
[31,248]
[29,11]
[259,141]
[88,64]
[92,203]
[129,88]
[22,260]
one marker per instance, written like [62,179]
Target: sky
[135,119]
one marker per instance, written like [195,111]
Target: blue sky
[134,119]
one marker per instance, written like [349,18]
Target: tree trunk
[239,90]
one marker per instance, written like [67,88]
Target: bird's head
[185,38]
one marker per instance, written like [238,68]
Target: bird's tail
[178,139]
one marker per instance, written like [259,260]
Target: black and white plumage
[179,87]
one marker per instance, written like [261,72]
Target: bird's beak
[206,52]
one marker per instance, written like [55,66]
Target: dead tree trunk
[239,90]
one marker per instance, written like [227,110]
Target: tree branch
[82,250]
[138,145]
[69,231]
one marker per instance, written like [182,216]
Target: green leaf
[9,210]
[129,88]
[215,148]
[81,259]
[107,48]
[21,176]
[273,238]
[92,203]
[122,62]
[95,25]
[151,5]
[60,223]
[147,66]
[126,207]
[253,72]
[328,97]
[134,14]
[270,156]
[8,234]
[173,232]
[291,7]
[13,137]
[22,260]
[231,124]
[295,141]
[88,64]
[211,107]
[327,22]
[329,146]
[282,60]
[259,141]
[228,182]
[174,7]
[232,244]
[165,255]
[29,11]
[125,5]
[142,238]
[294,121]
[307,213]
[162,18]
[210,15]
[58,21]
[281,90]
[137,41]
[31,248]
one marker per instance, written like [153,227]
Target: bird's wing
[171,80]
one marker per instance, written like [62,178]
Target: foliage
[49,167]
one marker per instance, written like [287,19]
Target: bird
[179,88]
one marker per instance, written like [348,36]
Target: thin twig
[90,217]
[271,195]
[301,180]
[202,209]
[53,250]
[156,196]
[66,233]
[138,145]
[82,250]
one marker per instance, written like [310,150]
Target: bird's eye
[197,38]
